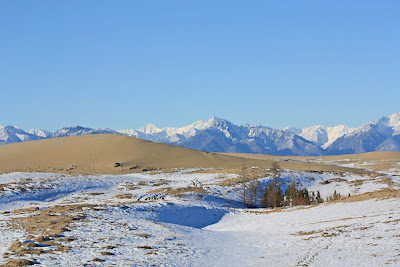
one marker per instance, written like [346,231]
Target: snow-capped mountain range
[321,135]
[219,135]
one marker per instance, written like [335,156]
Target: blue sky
[123,64]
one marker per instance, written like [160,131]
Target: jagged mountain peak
[394,120]
[79,130]
[215,121]
[215,118]
[292,130]
[13,134]
[372,136]
[149,129]
[321,135]
[39,132]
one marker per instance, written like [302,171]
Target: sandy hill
[91,154]
[370,156]
[377,161]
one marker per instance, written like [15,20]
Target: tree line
[272,196]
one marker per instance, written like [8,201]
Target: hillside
[91,154]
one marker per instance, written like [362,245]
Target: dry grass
[95,194]
[357,182]
[364,228]
[45,227]
[159,182]
[106,253]
[381,194]
[180,190]
[392,221]
[144,235]
[124,196]
[244,172]
[18,263]
[98,260]
[309,232]
[337,180]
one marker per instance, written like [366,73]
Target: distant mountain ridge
[219,135]
[321,135]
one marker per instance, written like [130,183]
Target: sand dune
[370,156]
[93,154]
[377,161]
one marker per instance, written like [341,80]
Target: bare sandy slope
[93,154]
[370,156]
[380,160]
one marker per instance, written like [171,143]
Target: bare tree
[254,191]
[273,196]
[251,189]
[243,180]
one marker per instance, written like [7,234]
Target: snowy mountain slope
[381,135]
[226,137]
[219,135]
[169,134]
[39,132]
[78,130]
[321,135]
[12,134]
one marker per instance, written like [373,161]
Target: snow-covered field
[163,219]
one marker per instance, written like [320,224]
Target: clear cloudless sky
[123,64]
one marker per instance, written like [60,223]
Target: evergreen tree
[273,196]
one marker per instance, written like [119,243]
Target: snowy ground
[161,219]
